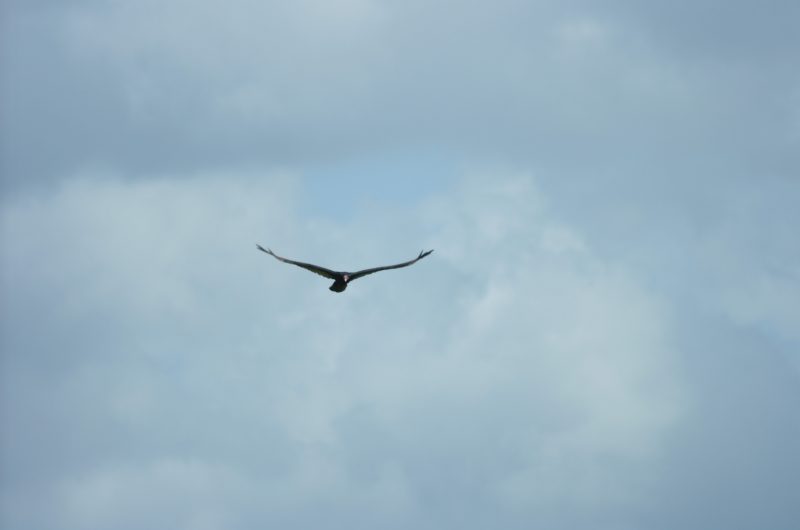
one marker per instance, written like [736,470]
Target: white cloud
[512,353]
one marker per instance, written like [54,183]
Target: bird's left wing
[359,274]
[322,271]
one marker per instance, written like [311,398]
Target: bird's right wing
[322,271]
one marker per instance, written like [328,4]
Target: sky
[607,335]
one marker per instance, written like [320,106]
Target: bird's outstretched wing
[322,271]
[359,274]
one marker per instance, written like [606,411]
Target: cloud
[521,376]
[609,344]
[187,86]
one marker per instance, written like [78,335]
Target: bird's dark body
[338,286]
[341,279]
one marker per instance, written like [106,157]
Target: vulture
[341,279]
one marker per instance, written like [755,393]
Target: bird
[340,278]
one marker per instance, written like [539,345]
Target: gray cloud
[187,86]
[606,336]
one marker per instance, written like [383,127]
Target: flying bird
[340,278]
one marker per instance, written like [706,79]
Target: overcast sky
[606,337]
